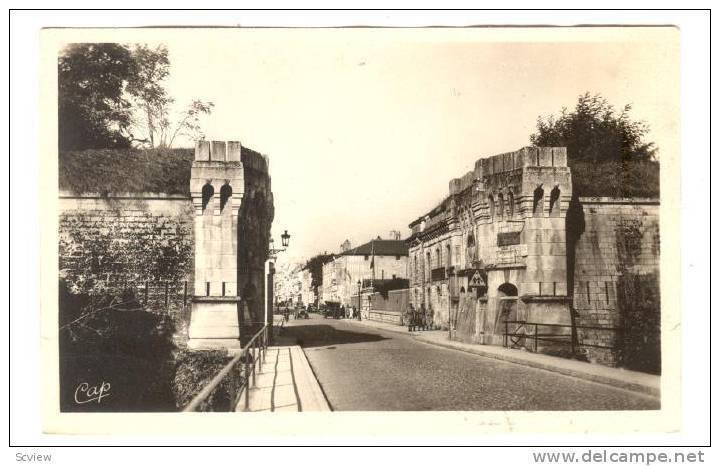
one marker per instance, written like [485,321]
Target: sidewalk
[285,382]
[630,380]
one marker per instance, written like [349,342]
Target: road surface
[370,369]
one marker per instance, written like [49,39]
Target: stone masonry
[619,238]
[229,252]
[140,241]
[206,250]
[494,249]
[509,243]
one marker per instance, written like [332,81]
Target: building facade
[495,250]
[306,290]
[377,260]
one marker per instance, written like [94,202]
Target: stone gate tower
[495,248]
[217,189]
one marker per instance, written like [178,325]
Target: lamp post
[270,270]
[359,283]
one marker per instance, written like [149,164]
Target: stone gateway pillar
[217,187]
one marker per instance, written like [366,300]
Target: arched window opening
[207,194]
[462,289]
[508,301]
[491,205]
[554,196]
[537,198]
[470,240]
[501,207]
[437,257]
[507,290]
[448,255]
[225,194]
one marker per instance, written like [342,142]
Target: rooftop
[380,247]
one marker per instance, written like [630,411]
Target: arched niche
[225,195]
[554,198]
[207,194]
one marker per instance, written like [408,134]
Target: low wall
[389,317]
[388,308]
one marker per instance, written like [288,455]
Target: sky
[365,127]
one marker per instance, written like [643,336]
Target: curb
[637,387]
[312,398]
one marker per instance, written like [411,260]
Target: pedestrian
[343,312]
[410,317]
[429,318]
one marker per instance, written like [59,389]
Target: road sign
[476,281]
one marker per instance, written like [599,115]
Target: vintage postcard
[361,230]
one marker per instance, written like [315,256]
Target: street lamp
[285,239]
[359,284]
[270,269]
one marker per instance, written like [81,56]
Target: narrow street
[368,369]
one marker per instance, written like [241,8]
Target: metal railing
[513,339]
[239,374]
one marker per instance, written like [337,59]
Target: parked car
[332,310]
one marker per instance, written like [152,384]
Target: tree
[151,67]
[189,121]
[606,149]
[595,132]
[114,95]
[92,110]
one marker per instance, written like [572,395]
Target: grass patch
[126,170]
[616,179]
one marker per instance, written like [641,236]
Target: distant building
[306,290]
[378,260]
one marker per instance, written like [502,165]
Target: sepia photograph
[363,220]
[358,229]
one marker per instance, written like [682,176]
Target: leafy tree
[151,67]
[113,95]
[153,102]
[189,121]
[92,110]
[606,149]
[595,132]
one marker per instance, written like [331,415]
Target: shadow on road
[309,336]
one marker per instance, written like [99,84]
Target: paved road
[368,369]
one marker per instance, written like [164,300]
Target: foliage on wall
[99,257]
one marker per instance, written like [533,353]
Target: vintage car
[332,310]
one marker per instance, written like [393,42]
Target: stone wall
[145,241]
[618,243]
[131,241]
